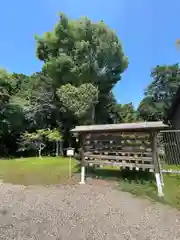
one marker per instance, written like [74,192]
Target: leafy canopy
[159,94]
[80,51]
[78,100]
[82,62]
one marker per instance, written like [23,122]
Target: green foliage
[126,113]
[33,140]
[78,100]
[82,62]
[159,94]
[54,135]
[36,140]
[79,52]
[34,136]
[38,95]
[11,112]
[76,51]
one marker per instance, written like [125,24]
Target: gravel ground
[82,212]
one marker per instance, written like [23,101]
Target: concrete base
[81,183]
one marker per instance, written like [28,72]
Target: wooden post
[82,160]
[156,165]
[57,148]
[158,160]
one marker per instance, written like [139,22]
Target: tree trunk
[41,147]
[39,152]
[61,148]
[57,148]
[93,114]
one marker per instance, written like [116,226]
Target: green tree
[159,94]
[54,135]
[83,60]
[76,50]
[106,109]
[80,51]
[79,100]
[126,113]
[34,140]
[11,113]
[40,108]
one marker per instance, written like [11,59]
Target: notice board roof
[158,125]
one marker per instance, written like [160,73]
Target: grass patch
[35,171]
[107,173]
[55,170]
[143,183]
[148,189]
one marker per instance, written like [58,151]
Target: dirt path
[82,212]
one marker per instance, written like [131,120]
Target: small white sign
[70,152]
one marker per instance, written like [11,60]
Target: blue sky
[147,28]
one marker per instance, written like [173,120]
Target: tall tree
[159,94]
[11,113]
[40,109]
[80,51]
[77,51]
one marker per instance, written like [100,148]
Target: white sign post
[70,154]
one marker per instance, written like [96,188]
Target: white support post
[82,160]
[159,185]
[82,175]
[157,166]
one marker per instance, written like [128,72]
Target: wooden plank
[117,133]
[135,138]
[119,153]
[154,148]
[110,157]
[131,165]
[103,134]
[119,139]
[118,144]
[115,142]
[139,134]
[82,151]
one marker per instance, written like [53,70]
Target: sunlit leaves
[78,100]
[159,94]
[77,50]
